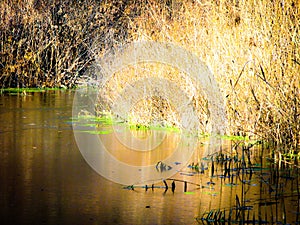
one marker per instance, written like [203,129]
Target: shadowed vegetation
[50,43]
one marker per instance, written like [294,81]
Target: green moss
[234,138]
[189,193]
[98,131]
[27,90]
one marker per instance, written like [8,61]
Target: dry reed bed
[252,48]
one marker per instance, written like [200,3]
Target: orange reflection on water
[124,153]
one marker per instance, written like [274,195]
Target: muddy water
[45,180]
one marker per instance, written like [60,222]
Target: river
[45,180]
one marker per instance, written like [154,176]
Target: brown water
[45,180]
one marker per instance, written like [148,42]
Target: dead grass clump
[154,100]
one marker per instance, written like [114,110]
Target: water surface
[45,180]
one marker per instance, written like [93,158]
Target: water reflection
[45,180]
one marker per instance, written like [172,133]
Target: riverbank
[251,47]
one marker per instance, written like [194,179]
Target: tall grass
[252,48]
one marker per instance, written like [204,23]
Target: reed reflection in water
[45,180]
